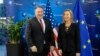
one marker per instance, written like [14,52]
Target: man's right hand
[34,49]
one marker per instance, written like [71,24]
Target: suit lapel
[38,24]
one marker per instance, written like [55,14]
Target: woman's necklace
[67,25]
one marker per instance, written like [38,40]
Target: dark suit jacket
[36,36]
[69,40]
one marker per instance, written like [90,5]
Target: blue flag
[86,49]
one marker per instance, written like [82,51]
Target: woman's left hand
[77,54]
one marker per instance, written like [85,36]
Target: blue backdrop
[21,9]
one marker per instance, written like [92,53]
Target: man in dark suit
[39,35]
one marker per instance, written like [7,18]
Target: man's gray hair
[38,7]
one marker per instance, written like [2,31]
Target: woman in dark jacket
[68,36]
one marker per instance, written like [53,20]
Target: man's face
[39,13]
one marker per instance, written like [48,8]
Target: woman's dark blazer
[69,40]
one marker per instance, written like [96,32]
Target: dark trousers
[68,53]
[44,53]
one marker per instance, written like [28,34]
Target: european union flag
[86,49]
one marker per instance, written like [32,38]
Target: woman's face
[67,16]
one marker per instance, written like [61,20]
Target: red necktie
[41,23]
